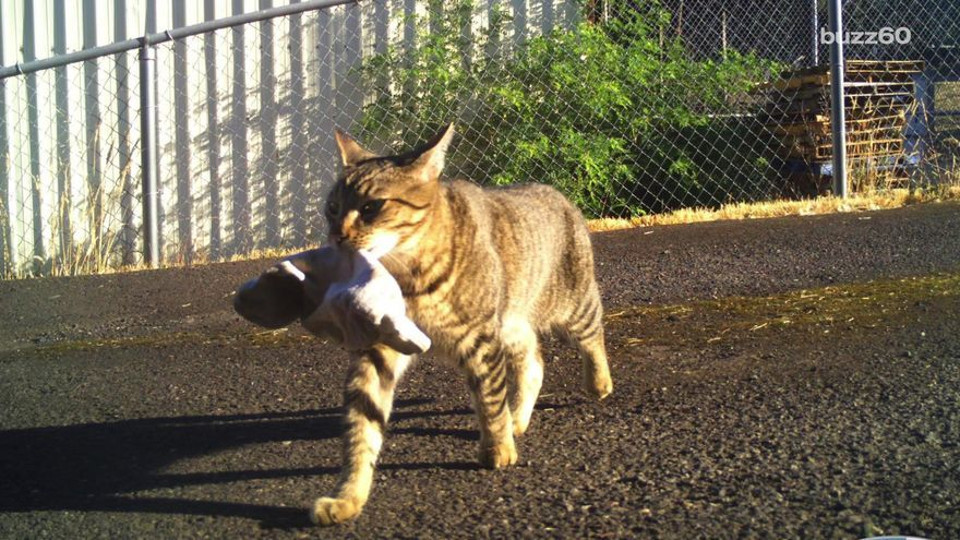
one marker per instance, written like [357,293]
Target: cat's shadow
[95,466]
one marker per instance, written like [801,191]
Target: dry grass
[820,205]
[268,253]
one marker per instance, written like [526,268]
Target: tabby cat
[485,273]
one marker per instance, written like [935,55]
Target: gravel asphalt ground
[779,378]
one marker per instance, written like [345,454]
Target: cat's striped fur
[485,273]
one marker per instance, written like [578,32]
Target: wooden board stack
[879,99]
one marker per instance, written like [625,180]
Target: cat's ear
[351,152]
[433,155]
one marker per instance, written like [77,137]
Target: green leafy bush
[616,115]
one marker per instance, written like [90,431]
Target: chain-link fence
[68,183]
[627,106]
[925,49]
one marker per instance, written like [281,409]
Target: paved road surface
[795,377]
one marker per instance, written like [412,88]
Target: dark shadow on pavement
[90,467]
[84,466]
[463,434]
[448,466]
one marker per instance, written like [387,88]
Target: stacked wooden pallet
[879,97]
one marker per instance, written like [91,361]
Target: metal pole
[815,37]
[837,102]
[168,35]
[148,153]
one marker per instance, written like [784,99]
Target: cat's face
[381,202]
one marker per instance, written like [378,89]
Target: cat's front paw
[598,387]
[499,455]
[520,426]
[329,511]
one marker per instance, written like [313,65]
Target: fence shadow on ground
[97,466]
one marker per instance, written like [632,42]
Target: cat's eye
[333,208]
[371,209]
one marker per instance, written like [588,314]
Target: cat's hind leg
[484,361]
[585,329]
[368,398]
[523,354]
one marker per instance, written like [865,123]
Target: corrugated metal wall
[245,124]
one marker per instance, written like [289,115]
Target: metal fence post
[148,152]
[815,30]
[837,101]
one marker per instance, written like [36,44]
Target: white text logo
[884,36]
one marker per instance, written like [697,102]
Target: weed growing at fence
[615,114]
